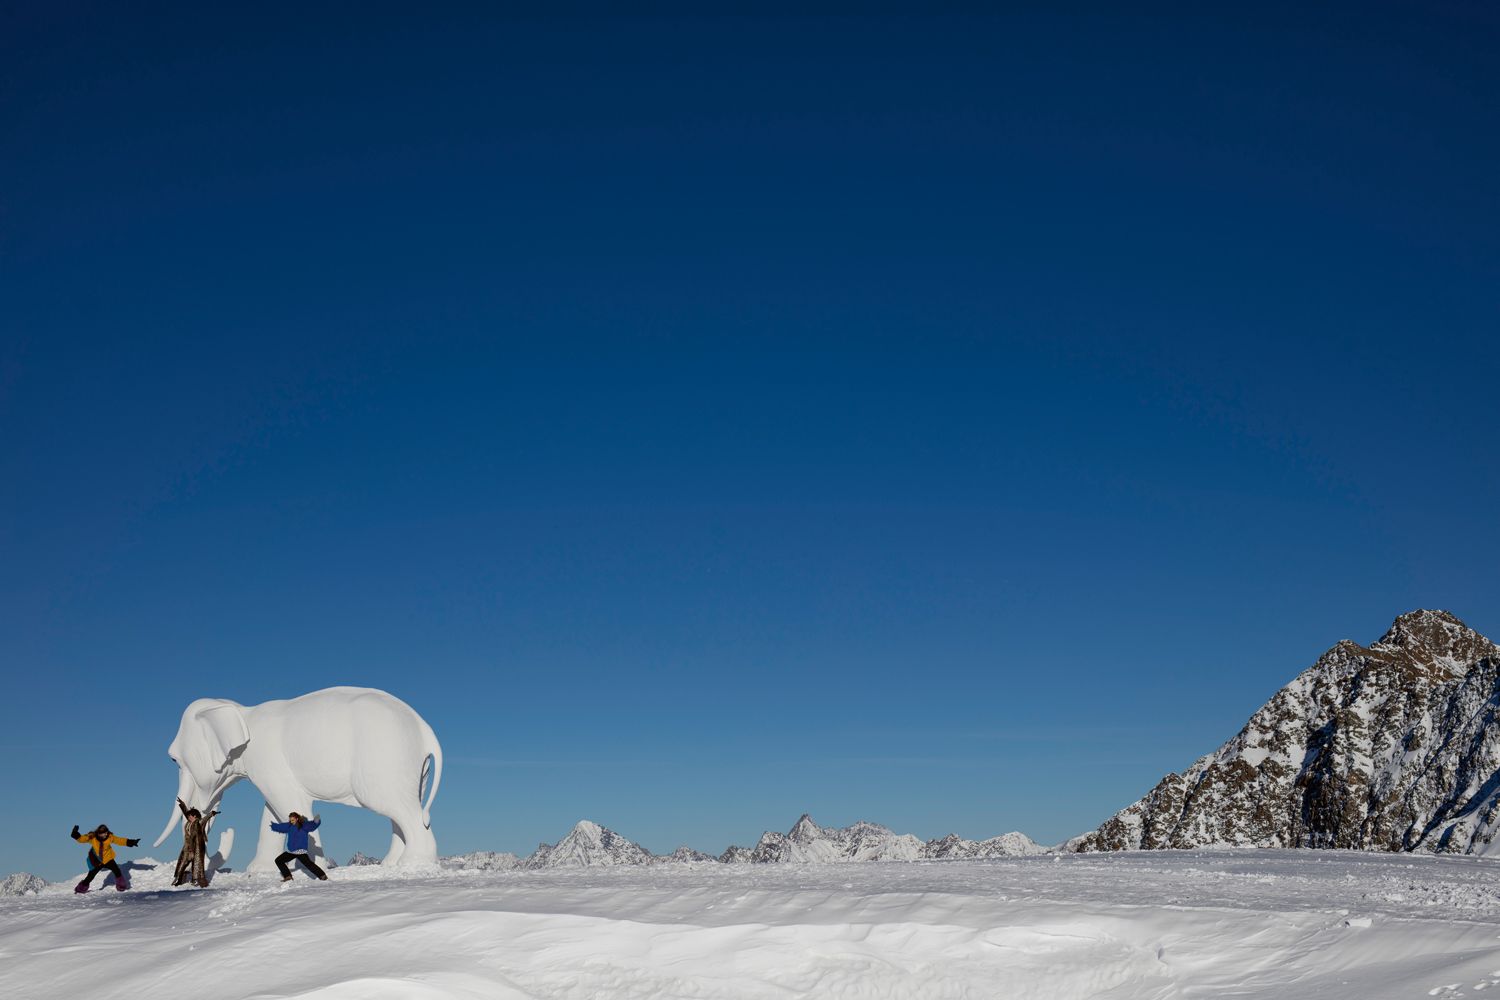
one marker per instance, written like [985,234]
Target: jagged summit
[1422,619]
[1433,638]
[1393,746]
[22,884]
[588,845]
[804,831]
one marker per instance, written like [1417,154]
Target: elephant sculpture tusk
[184,789]
[172,821]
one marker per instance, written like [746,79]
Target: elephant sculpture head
[210,739]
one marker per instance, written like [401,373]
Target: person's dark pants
[108,866]
[307,862]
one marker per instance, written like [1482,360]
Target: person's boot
[121,885]
[81,887]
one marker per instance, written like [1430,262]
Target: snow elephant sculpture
[356,746]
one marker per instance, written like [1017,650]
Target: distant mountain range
[1390,747]
[808,842]
[589,845]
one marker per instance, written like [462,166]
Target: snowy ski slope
[1238,923]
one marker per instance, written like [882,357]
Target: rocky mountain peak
[1395,746]
[588,845]
[804,831]
[587,829]
[1435,632]
[22,884]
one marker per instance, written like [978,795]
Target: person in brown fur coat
[191,862]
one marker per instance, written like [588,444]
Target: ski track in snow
[1147,925]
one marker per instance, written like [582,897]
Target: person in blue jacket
[296,845]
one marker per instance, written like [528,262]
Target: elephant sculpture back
[355,746]
[346,741]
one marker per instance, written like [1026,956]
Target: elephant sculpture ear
[226,726]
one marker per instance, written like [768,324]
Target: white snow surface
[1140,925]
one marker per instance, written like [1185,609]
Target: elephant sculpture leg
[393,856]
[411,842]
[268,846]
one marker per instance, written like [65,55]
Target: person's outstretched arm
[312,825]
[76,835]
[281,827]
[182,806]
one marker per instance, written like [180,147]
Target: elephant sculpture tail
[432,768]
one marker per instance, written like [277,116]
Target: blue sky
[952,421]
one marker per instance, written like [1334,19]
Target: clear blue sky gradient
[952,421]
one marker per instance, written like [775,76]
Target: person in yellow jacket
[102,855]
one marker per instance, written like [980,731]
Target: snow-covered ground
[1141,925]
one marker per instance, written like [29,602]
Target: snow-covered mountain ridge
[862,841]
[488,861]
[1390,747]
[589,845]
[22,884]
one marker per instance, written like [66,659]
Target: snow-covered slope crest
[1389,747]
[22,884]
[807,842]
[588,845]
